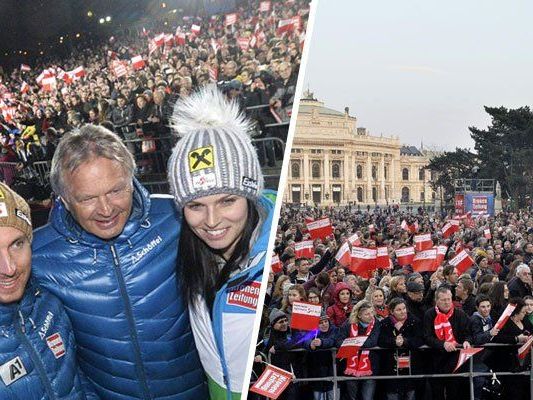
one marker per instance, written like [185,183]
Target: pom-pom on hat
[14,211]
[215,153]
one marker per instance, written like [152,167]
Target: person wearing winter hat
[32,321]
[217,183]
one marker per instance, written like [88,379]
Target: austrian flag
[230,19]
[272,382]
[305,316]
[275,264]
[505,316]
[137,62]
[382,259]
[344,256]
[462,262]
[304,249]
[405,255]
[363,261]
[450,228]
[425,260]
[350,346]
[423,242]
[320,228]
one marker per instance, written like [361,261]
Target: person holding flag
[517,330]
[446,328]
[362,322]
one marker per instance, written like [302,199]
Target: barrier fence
[471,374]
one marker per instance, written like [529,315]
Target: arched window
[295,169]
[360,194]
[315,170]
[405,195]
[374,194]
[422,196]
[336,170]
[421,174]
[386,172]
[374,172]
[405,174]
[359,171]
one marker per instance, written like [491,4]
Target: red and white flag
[354,240]
[304,249]
[423,242]
[49,84]
[424,261]
[137,62]
[25,68]
[344,255]
[350,346]
[119,69]
[8,113]
[151,47]
[159,40]
[272,382]
[243,43]
[169,40]
[523,351]
[230,19]
[285,25]
[78,72]
[462,261]
[253,41]
[213,74]
[405,255]
[487,234]
[275,264]
[297,22]
[320,228]
[363,261]
[55,343]
[195,29]
[382,258]
[441,253]
[24,88]
[465,355]
[450,228]
[264,6]
[505,316]
[305,316]
[180,38]
[411,228]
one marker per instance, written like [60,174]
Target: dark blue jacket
[37,351]
[122,296]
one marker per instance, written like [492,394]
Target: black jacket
[517,288]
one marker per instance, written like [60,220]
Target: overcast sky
[422,70]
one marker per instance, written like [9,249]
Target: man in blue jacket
[109,253]
[37,348]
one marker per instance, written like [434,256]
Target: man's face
[444,301]
[453,276]
[525,276]
[323,325]
[303,268]
[100,197]
[416,296]
[15,264]
[484,309]
[460,291]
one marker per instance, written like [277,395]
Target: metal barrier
[42,169]
[471,374]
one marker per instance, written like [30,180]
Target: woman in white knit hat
[217,183]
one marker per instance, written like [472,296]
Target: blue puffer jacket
[122,296]
[37,351]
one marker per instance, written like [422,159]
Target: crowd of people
[252,59]
[442,309]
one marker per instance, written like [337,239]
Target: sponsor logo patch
[147,249]
[204,180]
[249,183]
[55,343]
[46,325]
[3,210]
[22,216]
[245,295]
[12,371]
[201,158]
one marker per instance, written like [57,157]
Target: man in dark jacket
[414,300]
[463,292]
[98,254]
[445,329]
[37,348]
[520,285]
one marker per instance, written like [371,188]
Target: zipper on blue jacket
[219,339]
[133,331]
[37,362]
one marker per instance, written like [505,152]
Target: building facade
[335,162]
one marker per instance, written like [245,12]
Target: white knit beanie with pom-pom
[215,153]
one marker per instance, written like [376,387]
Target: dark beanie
[276,315]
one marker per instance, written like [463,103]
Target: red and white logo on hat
[55,343]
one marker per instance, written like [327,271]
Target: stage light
[108,18]
[90,13]
[101,20]
[78,35]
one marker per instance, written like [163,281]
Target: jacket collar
[21,309]
[63,221]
